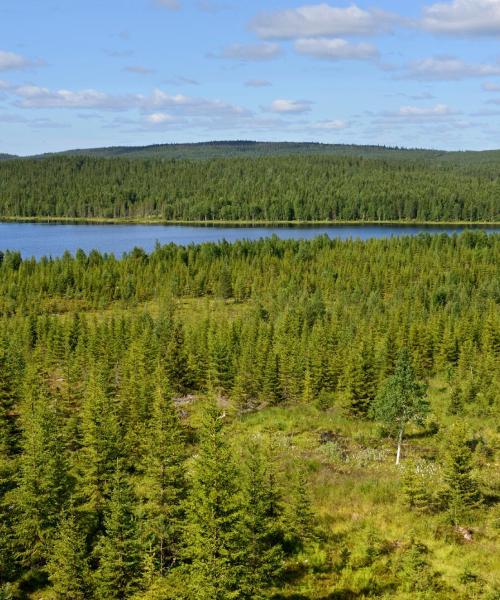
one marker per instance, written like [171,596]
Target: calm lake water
[53,239]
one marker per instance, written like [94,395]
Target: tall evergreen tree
[463,491]
[263,525]
[163,484]
[118,551]
[68,566]
[215,547]
[42,480]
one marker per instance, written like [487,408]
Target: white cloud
[257,83]
[261,51]
[469,17]
[440,110]
[335,49]
[11,61]
[321,20]
[138,70]
[32,96]
[189,105]
[290,106]
[449,68]
[160,118]
[332,125]
[489,86]
[170,4]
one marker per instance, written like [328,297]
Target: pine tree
[163,485]
[214,531]
[118,551]
[402,399]
[68,566]
[463,492]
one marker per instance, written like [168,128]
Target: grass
[356,489]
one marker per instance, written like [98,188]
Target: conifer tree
[42,480]
[68,567]
[463,491]
[163,486]
[263,525]
[215,547]
[271,391]
[360,381]
[416,488]
[100,448]
[402,399]
[9,429]
[299,518]
[118,551]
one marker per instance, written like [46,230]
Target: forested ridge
[220,421]
[250,148]
[270,188]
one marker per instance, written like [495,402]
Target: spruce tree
[42,480]
[68,567]
[100,447]
[416,490]
[163,485]
[359,381]
[118,551]
[263,525]
[9,428]
[463,491]
[215,548]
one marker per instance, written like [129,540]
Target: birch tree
[401,400]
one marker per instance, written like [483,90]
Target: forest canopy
[268,188]
[221,421]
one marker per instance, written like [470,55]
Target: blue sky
[77,74]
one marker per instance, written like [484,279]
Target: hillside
[273,188]
[240,148]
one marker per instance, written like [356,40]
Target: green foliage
[215,524]
[118,550]
[68,566]
[280,188]
[402,399]
[463,491]
[114,482]
[163,483]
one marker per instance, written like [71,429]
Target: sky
[414,73]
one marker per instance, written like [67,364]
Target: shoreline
[240,223]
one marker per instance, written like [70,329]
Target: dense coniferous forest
[234,148]
[270,188]
[222,421]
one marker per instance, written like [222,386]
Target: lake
[53,239]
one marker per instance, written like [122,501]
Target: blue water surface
[53,239]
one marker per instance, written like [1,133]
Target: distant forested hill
[238,148]
[273,188]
